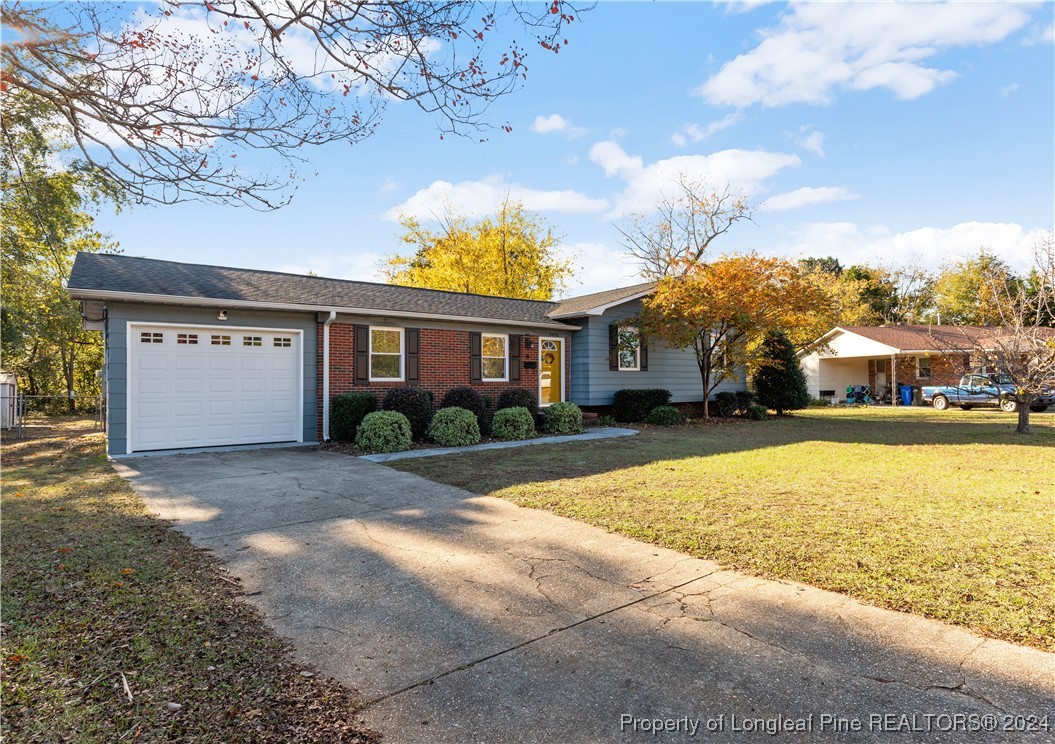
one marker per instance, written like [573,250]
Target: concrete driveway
[469,619]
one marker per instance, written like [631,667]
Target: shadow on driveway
[467,618]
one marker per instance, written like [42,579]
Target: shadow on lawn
[488,471]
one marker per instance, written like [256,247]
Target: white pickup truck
[983,389]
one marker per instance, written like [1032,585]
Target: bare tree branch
[683,226]
[164,101]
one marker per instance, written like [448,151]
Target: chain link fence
[28,416]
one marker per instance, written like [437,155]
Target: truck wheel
[940,403]
[1038,409]
[1008,405]
[965,408]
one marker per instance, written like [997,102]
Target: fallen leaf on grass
[127,571]
[64,550]
[173,706]
[16,658]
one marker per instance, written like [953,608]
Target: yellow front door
[551,371]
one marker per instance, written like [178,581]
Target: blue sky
[876,133]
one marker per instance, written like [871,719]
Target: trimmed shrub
[744,399]
[562,418]
[664,416]
[634,405]
[415,404]
[512,424]
[383,431]
[454,427]
[780,382]
[607,421]
[726,404]
[757,412]
[467,398]
[517,398]
[347,411]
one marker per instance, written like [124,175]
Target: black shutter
[362,354]
[514,358]
[643,358]
[475,360]
[411,339]
[613,347]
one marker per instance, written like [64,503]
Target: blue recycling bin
[906,394]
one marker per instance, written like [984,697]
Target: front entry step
[590,419]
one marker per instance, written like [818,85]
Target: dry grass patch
[115,628]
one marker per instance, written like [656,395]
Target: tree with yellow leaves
[510,254]
[723,310]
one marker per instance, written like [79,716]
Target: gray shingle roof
[109,274]
[585,303]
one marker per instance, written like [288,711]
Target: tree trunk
[1023,415]
[69,356]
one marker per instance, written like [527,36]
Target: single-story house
[203,356]
[886,357]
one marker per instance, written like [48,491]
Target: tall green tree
[780,383]
[510,254]
[963,292]
[45,224]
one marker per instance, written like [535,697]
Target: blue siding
[119,314]
[593,384]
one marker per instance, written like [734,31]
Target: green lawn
[949,515]
[116,629]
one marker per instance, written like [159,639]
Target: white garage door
[205,387]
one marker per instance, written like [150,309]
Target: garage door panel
[151,386]
[219,391]
[187,385]
[152,361]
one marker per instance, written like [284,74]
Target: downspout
[326,375]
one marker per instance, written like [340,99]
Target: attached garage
[205,386]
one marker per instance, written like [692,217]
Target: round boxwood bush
[512,424]
[562,418]
[725,404]
[464,397]
[757,412]
[415,404]
[454,427]
[383,431]
[664,416]
[347,411]
[517,398]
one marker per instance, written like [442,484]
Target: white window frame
[505,360]
[637,350]
[402,354]
[930,369]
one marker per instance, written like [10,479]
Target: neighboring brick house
[887,357]
[200,356]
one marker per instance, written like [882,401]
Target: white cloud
[695,133]
[388,185]
[807,196]
[361,267]
[1008,89]
[812,142]
[599,267]
[556,123]
[480,198]
[932,246]
[820,48]
[741,170]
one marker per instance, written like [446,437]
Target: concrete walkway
[469,619]
[605,432]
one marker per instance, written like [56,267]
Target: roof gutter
[100,294]
[326,375]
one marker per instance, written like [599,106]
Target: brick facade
[945,370]
[443,356]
